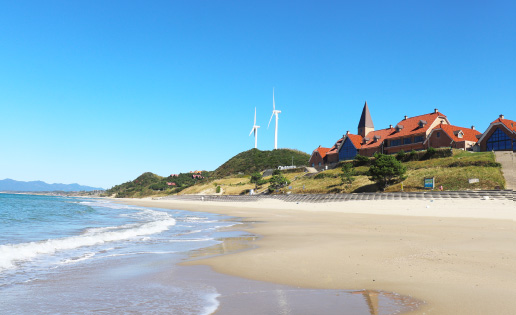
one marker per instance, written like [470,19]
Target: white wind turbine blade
[251,131]
[270,120]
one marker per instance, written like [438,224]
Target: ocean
[64,255]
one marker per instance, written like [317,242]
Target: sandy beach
[458,256]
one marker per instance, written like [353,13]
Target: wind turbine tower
[255,130]
[274,112]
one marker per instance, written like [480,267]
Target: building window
[499,141]
[313,164]
[418,139]
[395,142]
[348,151]
[319,163]
[407,141]
[438,134]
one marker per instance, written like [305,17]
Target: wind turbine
[274,112]
[255,130]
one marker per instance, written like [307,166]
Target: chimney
[347,132]
[390,126]
[501,116]
[473,127]
[405,117]
[435,110]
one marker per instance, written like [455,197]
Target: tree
[347,174]
[360,160]
[278,182]
[401,155]
[386,170]
[256,179]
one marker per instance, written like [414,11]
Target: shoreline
[456,255]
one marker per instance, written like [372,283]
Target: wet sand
[459,256]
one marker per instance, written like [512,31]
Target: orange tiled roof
[335,147]
[411,124]
[356,140]
[511,124]
[322,151]
[382,134]
[452,132]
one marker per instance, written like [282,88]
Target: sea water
[63,255]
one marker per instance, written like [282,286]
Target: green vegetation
[256,160]
[257,180]
[386,170]
[347,174]
[451,169]
[277,182]
[149,184]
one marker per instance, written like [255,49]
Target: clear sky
[98,92]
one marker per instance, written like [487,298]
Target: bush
[276,172]
[256,177]
[430,152]
[217,190]
[360,160]
[386,170]
[347,174]
[401,155]
[278,182]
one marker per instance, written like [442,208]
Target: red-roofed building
[499,136]
[452,136]
[411,133]
[318,158]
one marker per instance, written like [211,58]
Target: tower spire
[366,122]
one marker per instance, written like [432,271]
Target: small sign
[289,187]
[473,180]
[429,183]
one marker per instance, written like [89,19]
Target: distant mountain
[14,185]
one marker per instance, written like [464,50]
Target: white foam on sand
[213,304]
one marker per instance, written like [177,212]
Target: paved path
[508,161]
[321,198]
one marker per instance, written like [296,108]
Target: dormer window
[459,133]
[376,138]
[399,127]
[422,123]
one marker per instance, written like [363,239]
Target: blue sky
[98,92]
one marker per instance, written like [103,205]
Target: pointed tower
[365,125]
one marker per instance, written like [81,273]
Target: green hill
[256,160]
[149,184]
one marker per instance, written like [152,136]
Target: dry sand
[459,256]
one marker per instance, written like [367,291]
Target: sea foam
[156,222]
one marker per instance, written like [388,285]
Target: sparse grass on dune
[451,172]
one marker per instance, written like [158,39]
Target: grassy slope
[472,165]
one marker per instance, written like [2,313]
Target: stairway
[508,161]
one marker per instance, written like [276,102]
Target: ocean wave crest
[156,222]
